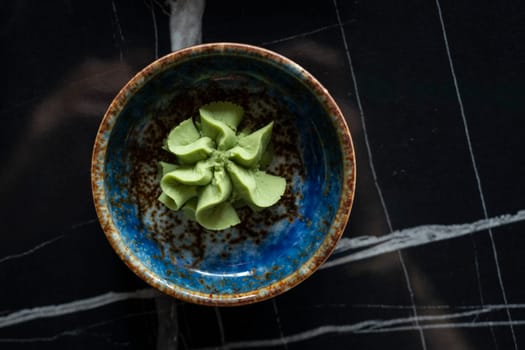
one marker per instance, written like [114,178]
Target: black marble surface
[433,93]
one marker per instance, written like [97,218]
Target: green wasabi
[218,169]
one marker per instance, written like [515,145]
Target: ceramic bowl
[270,251]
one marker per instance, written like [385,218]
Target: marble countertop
[432,255]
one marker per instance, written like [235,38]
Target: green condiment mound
[218,169]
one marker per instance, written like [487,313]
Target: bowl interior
[266,247]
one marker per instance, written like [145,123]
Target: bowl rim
[337,227]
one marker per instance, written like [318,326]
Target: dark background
[433,94]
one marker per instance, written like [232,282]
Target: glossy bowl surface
[269,252]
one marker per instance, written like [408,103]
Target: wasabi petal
[167,201]
[256,187]
[183,134]
[219,131]
[226,112]
[200,174]
[193,152]
[165,168]
[213,212]
[268,189]
[250,148]
[177,192]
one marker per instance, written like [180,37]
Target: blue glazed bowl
[269,252]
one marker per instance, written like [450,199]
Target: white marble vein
[30,251]
[47,311]
[372,169]
[70,333]
[50,338]
[492,307]
[412,299]
[279,324]
[186,23]
[454,325]
[300,35]
[384,326]
[121,35]
[475,168]
[83,223]
[79,331]
[44,244]
[168,333]
[155,29]
[405,307]
[220,325]
[363,247]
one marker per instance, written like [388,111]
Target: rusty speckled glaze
[271,251]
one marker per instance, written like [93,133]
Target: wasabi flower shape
[218,169]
